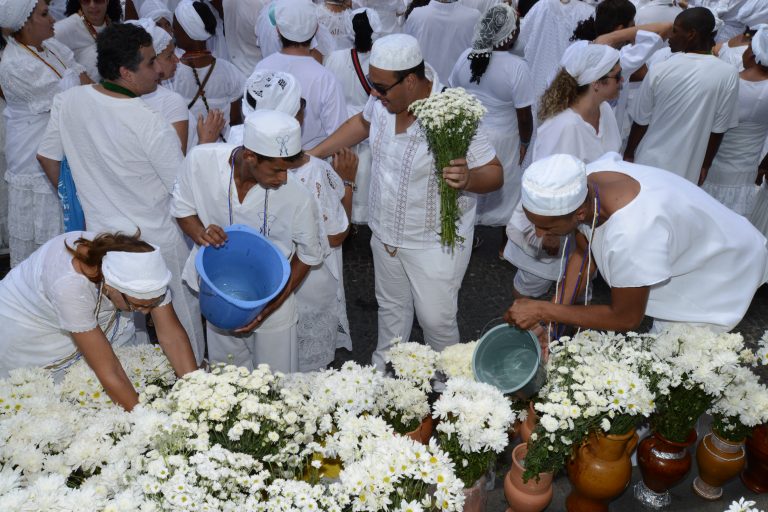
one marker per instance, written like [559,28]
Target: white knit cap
[296,19]
[141,275]
[760,44]
[272,133]
[753,13]
[155,10]
[396,52]
[160,38]
[14,13]
[556,185]
[589,62]
[191,21]
[373,20]
[272,90]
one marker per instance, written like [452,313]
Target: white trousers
[424,280]
[278,348]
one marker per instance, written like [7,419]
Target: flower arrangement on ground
[414,362]
[742,505]
[450,120]
[474,421]
[401,404]
[456,360]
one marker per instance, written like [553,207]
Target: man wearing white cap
[685,103]
[224,184]
[326,107]
[412,269]
[664,246]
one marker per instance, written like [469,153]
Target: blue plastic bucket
[509,359]
[239,278]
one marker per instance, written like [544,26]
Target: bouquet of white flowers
[456,360]
[414,362]
[450,120]
[401,404]
[295,495]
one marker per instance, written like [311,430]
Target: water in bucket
[509,359]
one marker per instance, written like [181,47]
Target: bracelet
[351,184]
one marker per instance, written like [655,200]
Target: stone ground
[484,296]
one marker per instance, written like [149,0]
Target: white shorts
[531,285]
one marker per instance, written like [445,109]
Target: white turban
[271,90]
[160,38]
[191,21]
[155,10]
[396,52]
[272,133]
[141,275]
[556,185]
[718,20]
[14,13]
[589,62]
[760,44]
[296,19]
[753,13]
[373,20]
[493,29]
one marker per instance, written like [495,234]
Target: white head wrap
[272,133]
[493,29]
[556,185]
[296,19]
[190,21]
[160,38]
[154,10]
[589,62]
[396,52]
[373,20]
[718,21]
[753,13]
[141,275]
[760,44]
[14,13]
[272,90]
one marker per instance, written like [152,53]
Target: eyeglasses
[139,307]
[380,89]
[616,77]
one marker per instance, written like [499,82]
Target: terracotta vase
[663,464]
[531,496]
[755,477]
[423,432]
[526,427]
[719,461]
[476,497]
[599,471]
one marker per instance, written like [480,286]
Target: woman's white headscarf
[495,27]
[142,275]
[191,21]
[587,62]
[14,13]
[160,38]
[760,44]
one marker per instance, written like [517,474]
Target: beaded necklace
[89,26]
[118,89]
[41,59]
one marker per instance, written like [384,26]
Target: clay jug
[755,477]
[423,432]
[599,471]
[531,496]
[663,464]
[719,461]
[476,497]
[526,427]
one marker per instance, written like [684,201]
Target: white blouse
[73,32]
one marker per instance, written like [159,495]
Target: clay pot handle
[632,444]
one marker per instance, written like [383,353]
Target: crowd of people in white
[175,118]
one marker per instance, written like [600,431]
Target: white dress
[124,159]
[323,326]
[731,178]
[74,34]
[444,31]
[702,261]
[340,63]
[240,18]
[34,212]
[683,100]
[43,300]
[389,12]
[504,87]
[336,24]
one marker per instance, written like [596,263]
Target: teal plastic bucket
[509,359]
[238,279]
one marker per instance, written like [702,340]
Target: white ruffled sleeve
[73,301]
[634,56]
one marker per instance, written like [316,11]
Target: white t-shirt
[340,63]
[240,18]
[73,33]
[404,200]
[683,100]
[326,108]
[702,261]
[570,134]
[168,104]
[444,31]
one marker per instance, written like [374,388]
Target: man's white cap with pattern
[271,90]
[272,133]
[553,186]
[296,19]
[396,52]
[14,13]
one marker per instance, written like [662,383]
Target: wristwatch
[351,184]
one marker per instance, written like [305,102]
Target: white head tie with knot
[496,27]
[587,62]
[271,90]
[760,44]
[191,21]
[553,186]
[14,13]
[141,275]
[373,20]
[160,38]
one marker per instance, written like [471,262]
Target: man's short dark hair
[288,43]
[418,70]
[699,19]
[119,45]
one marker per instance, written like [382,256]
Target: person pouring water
[75,297]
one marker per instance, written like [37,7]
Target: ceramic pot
[663,464]
[423,432]
[531,496]
[755,477]
[476,497]
[526,427]
[599,471]
[719,461]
